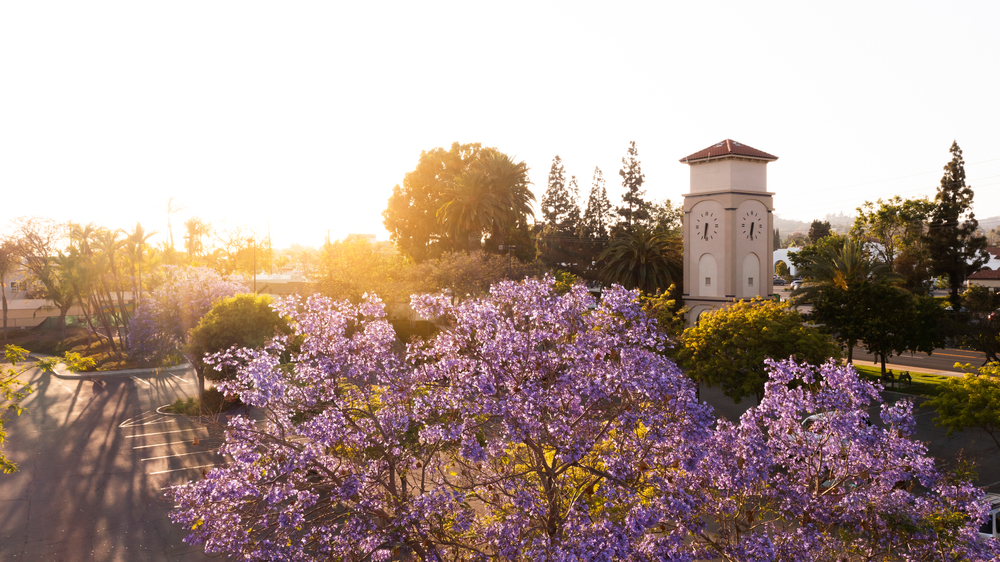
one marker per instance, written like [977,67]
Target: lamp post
[510,257]
[254,246]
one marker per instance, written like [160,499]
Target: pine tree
[777,239]
[597,217]
[955,248]
[571,225]
[556,201]
[634,209]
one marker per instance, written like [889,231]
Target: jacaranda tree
[164,318]
[532,427]
[842,488]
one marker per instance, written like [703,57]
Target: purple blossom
[164,318]
[533,427]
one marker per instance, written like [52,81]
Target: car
[991,527]
[796,283]
[779,280]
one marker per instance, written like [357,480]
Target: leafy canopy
[12,391]
[970,402]
[244,321]
[728,347]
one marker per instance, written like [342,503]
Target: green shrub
[76,362]
[214,402]
[49,364]
[187,407]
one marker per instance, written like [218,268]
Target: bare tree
[171,210]
[8,262]
[38,250]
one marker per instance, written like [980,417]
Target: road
[94,458]
[941,359]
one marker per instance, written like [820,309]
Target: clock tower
[728,227]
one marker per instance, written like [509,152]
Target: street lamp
[254,245]
[510,249]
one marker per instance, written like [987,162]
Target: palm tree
[830,274]
[135,244]
[839,267]
[470,208]
[491,196]
[509,184]
[642,259]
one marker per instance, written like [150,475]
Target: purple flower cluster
[535,427]
[164,318]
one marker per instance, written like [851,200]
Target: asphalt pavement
[94,458]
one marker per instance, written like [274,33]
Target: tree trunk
[850,352]
[86,316]
[3,294]
[62,323]
[103,316]
[882,357]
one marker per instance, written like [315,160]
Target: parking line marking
[177,455]
[162,444]
[185,468]
[163,432]
[178,378]
[141,380]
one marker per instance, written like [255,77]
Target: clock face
[752,225]
[706,226]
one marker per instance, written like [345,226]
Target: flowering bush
[841,489]
[164,318]
[532,428]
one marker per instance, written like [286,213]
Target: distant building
[368,237]
[282,285]
[24,308]
[985,278]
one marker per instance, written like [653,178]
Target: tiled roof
[985,274]
[993,251]
[727,147]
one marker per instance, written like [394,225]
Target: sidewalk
[60,371]
[896,369]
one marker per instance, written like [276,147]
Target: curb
[61,372]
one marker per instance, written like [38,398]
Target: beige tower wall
[730,174]
[731,187]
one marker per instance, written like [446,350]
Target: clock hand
[751,230]
[705,236]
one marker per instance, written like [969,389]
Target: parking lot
[94,458]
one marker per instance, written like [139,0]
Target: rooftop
[727,148]
[985,274]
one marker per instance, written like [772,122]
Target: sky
[298,118]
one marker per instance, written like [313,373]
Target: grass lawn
[924,384]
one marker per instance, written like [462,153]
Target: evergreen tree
[597,217]
[556,201]
[819,229]
[777,239]
[955,248]
[634,209]
[572,223]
